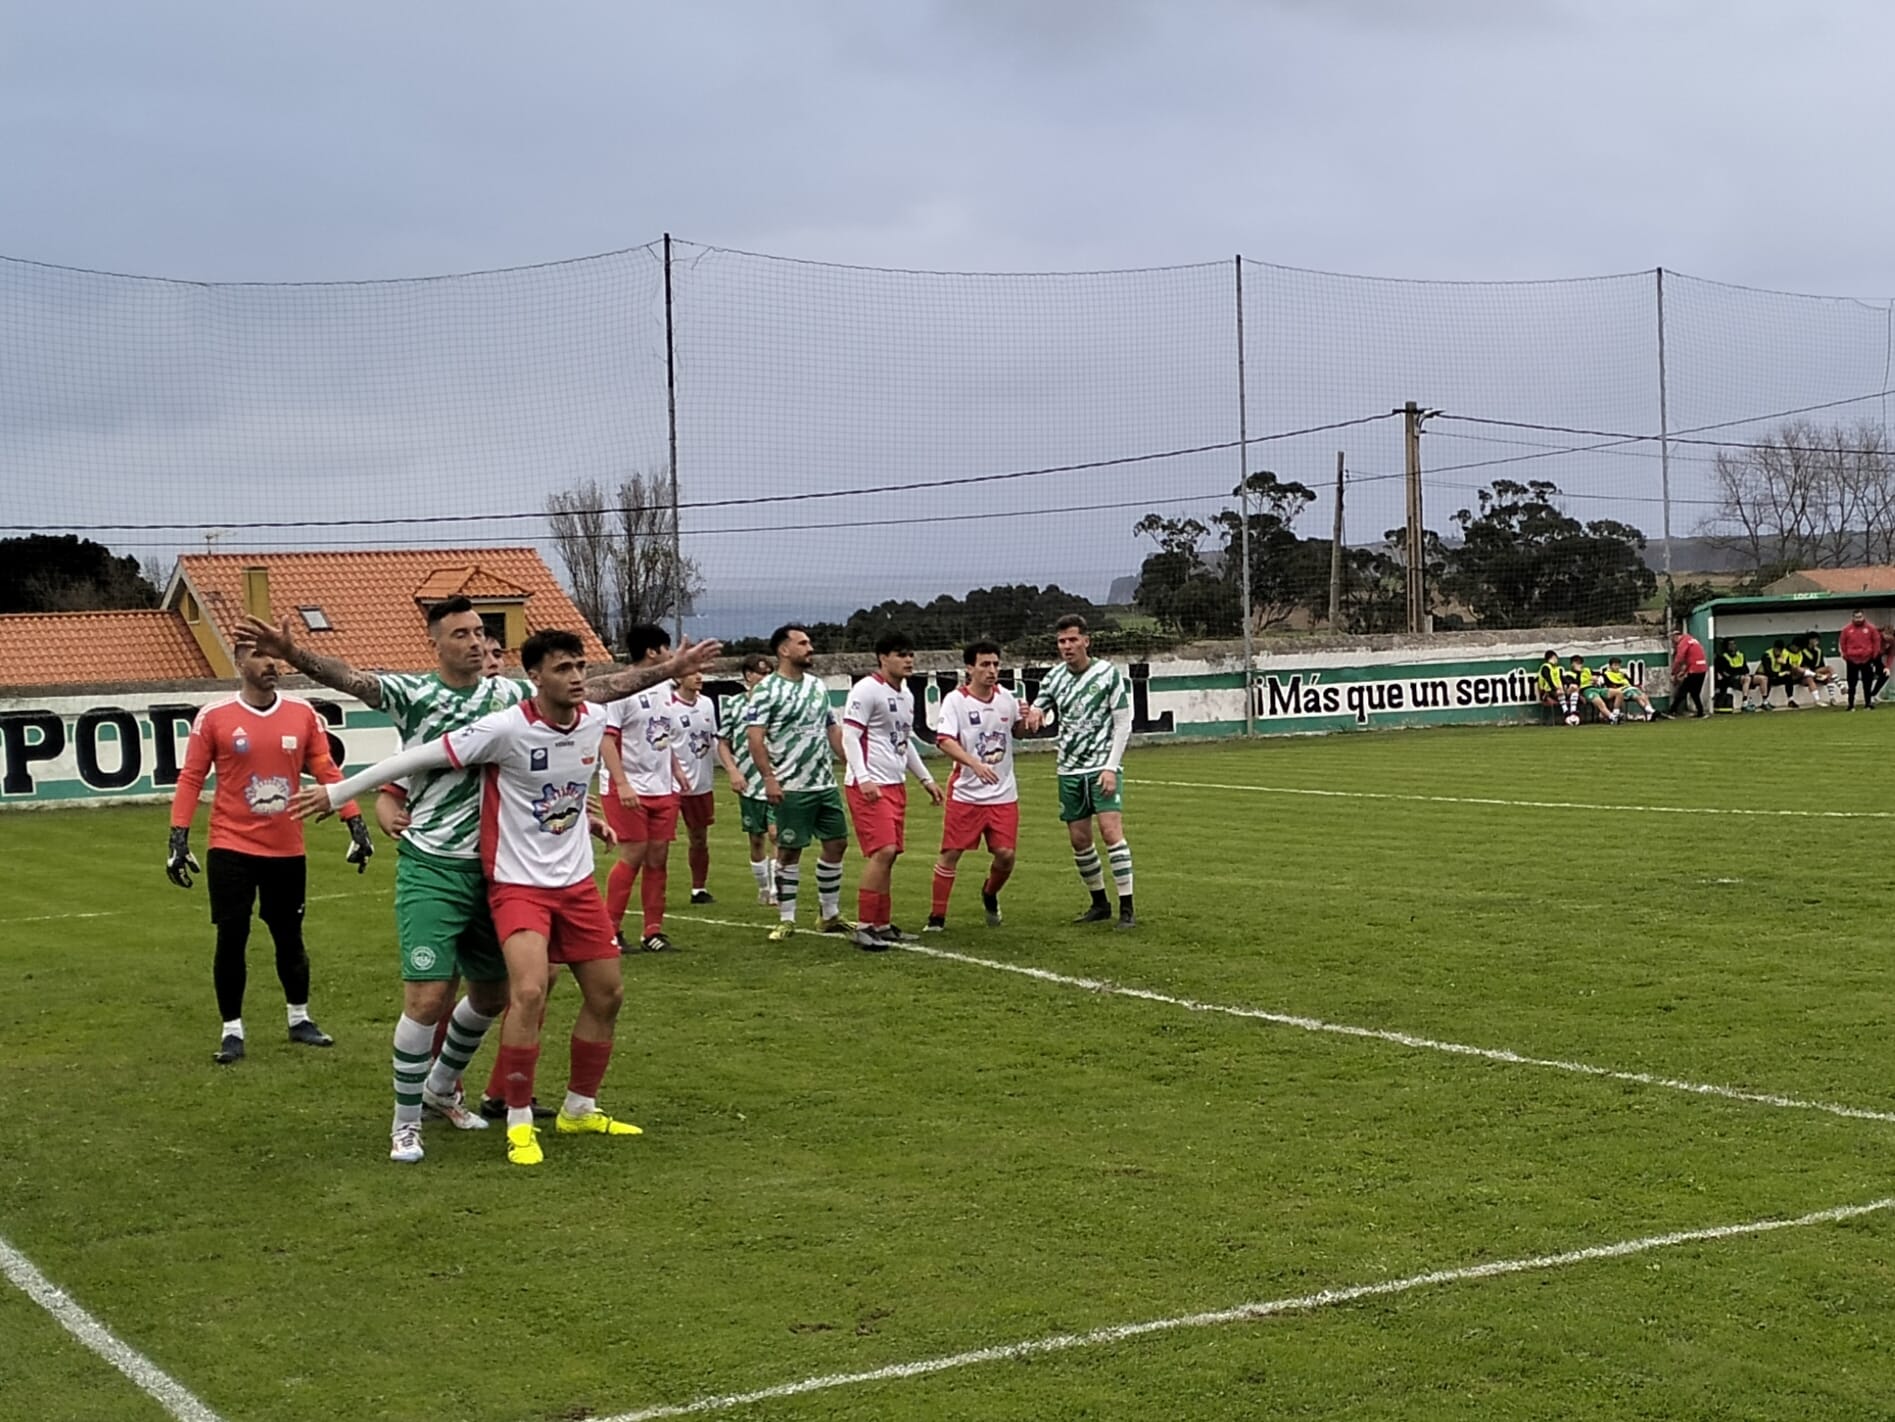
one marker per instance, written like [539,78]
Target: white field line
[167,1391]
[1250,1312]
[375,892]
[1373,1034]
[1406,1039]
[1523,804]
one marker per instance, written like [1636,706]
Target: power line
[961,481]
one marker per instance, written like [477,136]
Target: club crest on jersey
[993,746]
[700,743]
[536,758]
[289,743]
[658,733]
[267,794]
[240,741]
[560,807]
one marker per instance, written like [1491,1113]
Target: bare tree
[654,581]
[619,553]
[582,535]
[1808,496]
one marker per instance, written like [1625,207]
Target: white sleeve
[429,755]
[1121,737]
[858,709]
[916,765]
[487,739]
[855,753]
[947,718]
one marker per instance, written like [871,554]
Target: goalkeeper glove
[361,847]
[180,864]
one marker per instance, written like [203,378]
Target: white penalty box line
[170,1394]
[1410,1040]
[1491,801]
[1250,1312]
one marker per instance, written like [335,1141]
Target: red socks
[700,865]
[652,896]
[589,1061]
[618,891]
[874,909]
[514,1066]
[943,890]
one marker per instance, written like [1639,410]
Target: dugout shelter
[1756,622]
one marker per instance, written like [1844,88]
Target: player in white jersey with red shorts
[538,759]
[975,729]
[695,754]
[638,789]
[878,724]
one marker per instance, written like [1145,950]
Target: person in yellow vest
[1620,688]
[1591,691]
[1735,680]
[1555,695]
[1783,666]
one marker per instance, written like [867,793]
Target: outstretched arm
[690,657]
[323,801]
[332,672]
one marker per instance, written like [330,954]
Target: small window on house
[494,624]
[316,619]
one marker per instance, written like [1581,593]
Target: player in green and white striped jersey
[755,813]
[441,916]
[1090,700]
[795,740]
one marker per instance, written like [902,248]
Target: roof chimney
[256,593]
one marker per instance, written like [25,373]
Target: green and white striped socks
[414,1046]
[1091,873]
[1120,856]
[465,1029]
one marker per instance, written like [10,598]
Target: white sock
[760,871]
[299,1012]
[234,1027]
[829,888]
[519,1116]
[414,1042]
[577,1105]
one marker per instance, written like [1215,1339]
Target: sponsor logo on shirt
[560,807]
[536,758]
[267,794]
[289,743]
[240,741]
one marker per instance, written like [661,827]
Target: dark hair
[1551,655]
[644,638]
[782,635]
[974,651]
[544,644]
[450,607]
[1777,643]
[1072,622]
[494,637]
[891,644]
[756,662]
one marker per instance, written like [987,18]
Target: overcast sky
[1457,140]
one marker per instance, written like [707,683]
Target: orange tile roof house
[1875,578]
[364,607]
[84,648]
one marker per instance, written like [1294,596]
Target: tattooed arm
[332,672]
[690,657]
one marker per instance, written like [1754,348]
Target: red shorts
[698,811]
[572,920]
[654,819]
[878,824]
[966,822]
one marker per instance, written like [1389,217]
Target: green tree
[1178,587]
[1524,562]
[65,573]
[1287,573]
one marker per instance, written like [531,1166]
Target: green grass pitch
[856,1160]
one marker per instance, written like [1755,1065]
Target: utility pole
[1664,448]
[1335,554]
[671,416]
[1412,416]
[1243,501]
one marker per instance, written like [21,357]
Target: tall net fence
[796,440]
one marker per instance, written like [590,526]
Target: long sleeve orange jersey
[260,758]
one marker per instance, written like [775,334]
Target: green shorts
[808,817]
[442,922]
[1080,797]
[1593,693]
[756,816]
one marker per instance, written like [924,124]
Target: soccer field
[921,1166]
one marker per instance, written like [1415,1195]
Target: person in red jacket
[1688,666]
[260,744]
[1861,647]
